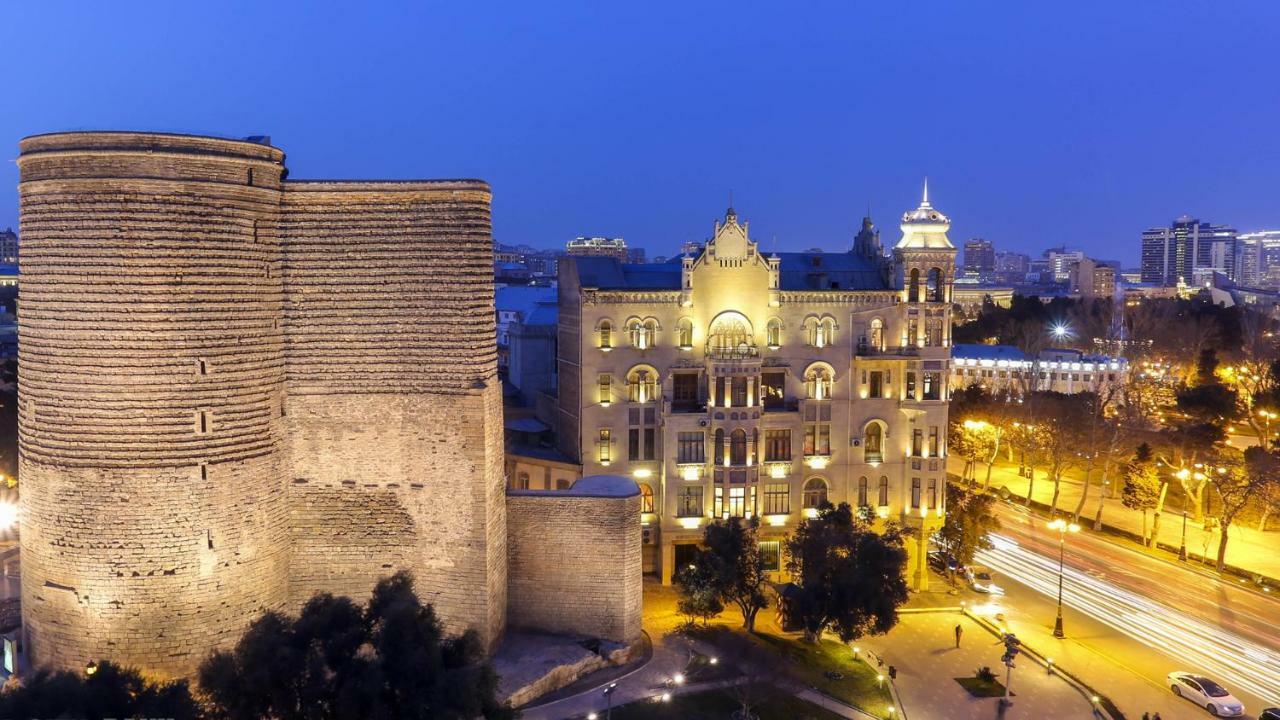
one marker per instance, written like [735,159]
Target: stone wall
[575,559]
[393,411]
[151,374]
[235,392]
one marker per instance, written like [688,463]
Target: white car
[1206,693]
[981,580]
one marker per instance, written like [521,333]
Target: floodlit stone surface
[236,391]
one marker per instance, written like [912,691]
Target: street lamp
[1063,527]
[1182,548]
[608,696]
[1060,331]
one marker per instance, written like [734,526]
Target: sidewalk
[922,648]
[1248,549]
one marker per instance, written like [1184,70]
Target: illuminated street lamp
[608,696]
[1063,527]
[1060,331]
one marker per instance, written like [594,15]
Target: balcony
[865,350]
[741,351]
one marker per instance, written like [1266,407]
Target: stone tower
[237,391]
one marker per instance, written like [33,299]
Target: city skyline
[806,123]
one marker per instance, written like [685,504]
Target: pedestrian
[1146,716]
[1157,717]
[959,632]
[893,673]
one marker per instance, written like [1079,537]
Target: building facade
[1259,259]
[8,247]
[1189,251]
[598,247]
[1006,369]
[732,383]
[237,391]
[979,256]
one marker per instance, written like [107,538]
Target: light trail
[1224,656]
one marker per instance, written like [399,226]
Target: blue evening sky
[1038,123]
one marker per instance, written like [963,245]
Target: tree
[850,579]
[733,550]
[390,659]
[1141,486]
[1206,406]
[111,691]
[699,589]
[969,522]
[1237,485]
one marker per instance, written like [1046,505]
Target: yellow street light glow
[811,512]
[777,472]
[678,678]
[690,523]
[690,473]
[777,520]
[817,462]
[643,473]
[666,697]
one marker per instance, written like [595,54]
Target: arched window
[731,335]
[684,333]
[815,492]
[872,443]
[646,498]
[605,332]
[826,333]
[875,335]
[884,491]
[642,384]
[643,333]
[719,450]
[738,447]
[862,491]
[817,382]
[935,285]
[913,285]
[773,333]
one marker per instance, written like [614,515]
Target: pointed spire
[924,202]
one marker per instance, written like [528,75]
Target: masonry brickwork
[236,391]
[568,571]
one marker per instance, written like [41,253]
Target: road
[1150,615]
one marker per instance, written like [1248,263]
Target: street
[1150,616]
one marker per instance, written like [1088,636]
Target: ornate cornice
[839,297]
[621,297]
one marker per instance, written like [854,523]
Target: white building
[735,383]
[1001,368]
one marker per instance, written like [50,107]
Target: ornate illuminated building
[735,383]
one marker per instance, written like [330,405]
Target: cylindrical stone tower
[154,522]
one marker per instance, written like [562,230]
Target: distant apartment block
[979,256]
[1188,250]
[598,247]
[1258,260]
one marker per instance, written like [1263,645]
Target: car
[942,561]
[1206,693]
[981,580]
[1269,714]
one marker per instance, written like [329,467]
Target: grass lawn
[810,664]
[718,704]
[978,687]
[702,669]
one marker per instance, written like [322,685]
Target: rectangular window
[877,384]
[911,386]
[913,331]
[932,386]
[884,491]
[689,501]
[737,502]
[933,441]
[605,388]
[684,391]
[915,493]
[720,393]
[771,554]
[202,422]
[603,445]
[862,491]
[917,442]
[777,445]
[817,439]
[933,493]
[739,398]
[692,448]
[773,390]
[642,435]
[777,499]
